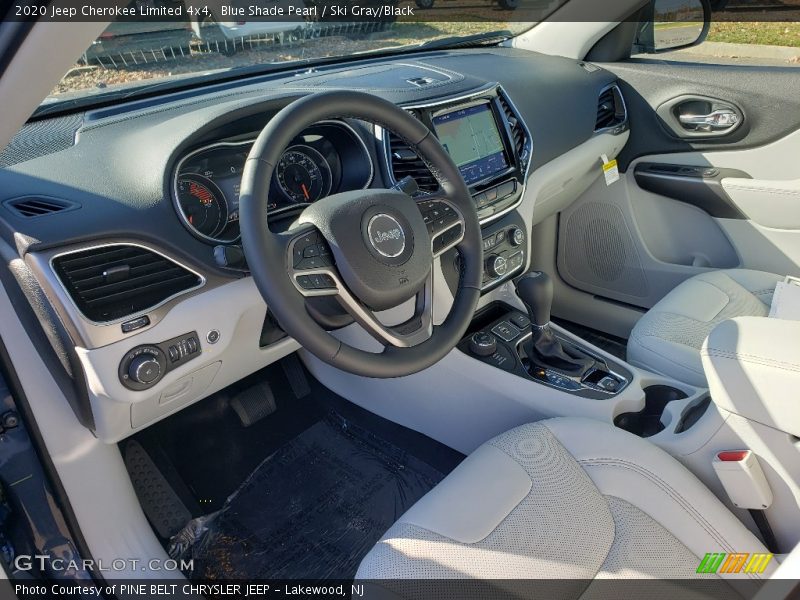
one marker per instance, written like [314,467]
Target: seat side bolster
[623,465]
[472,501]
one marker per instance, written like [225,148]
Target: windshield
[132,56]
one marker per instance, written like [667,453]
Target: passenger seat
[667,339]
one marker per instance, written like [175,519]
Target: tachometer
[203,204]
[303,174]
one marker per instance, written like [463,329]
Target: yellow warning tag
[610,170]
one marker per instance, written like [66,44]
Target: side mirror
[672,24]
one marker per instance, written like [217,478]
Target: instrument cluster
[327,158]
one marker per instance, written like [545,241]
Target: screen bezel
[508,151]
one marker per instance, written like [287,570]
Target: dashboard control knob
[517,236]
[496,265]
[144,369]
[483,343]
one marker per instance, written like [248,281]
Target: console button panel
[510,328]
[144,366]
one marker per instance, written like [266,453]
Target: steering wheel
[372,249]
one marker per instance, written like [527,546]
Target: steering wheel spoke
[411,332]
[444,221]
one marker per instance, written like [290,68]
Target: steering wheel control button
[386,235]
[135,324]
[212,337]
[317,281]
[311,252]
[482,343]
[506,331]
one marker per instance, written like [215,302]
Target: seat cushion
[563,498]
[668,338]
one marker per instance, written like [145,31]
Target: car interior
[414,316]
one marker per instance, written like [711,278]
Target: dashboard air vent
[33,206]
[405,163]
[110,282]
[517,131]
[610,109]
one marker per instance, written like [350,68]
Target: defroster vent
[110,282]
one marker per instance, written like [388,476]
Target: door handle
[719,121]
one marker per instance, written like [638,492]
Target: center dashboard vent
[518,133]
[611,110]
[110,282]
[404,162]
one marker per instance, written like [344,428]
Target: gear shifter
[544,349]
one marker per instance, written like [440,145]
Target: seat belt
[743,479]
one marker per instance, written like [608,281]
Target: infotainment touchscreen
[471,137]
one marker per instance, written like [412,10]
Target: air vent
[517,130]
[111,282]
[37,206]
[405,163]
[610,109]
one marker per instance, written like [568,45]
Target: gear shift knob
[535,289]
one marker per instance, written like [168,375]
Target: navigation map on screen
[471,137]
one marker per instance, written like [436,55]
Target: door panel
[733,201]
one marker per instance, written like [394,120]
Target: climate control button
[496,265]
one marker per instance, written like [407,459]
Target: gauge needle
[305,191]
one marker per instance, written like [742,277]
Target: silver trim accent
[374,242]
[721,121]
[134,315]
[177,171]
[622,126]
[86,333]
[384,139]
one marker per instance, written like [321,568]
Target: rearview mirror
[672,24]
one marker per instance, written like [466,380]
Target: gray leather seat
[668,338]
[565,498]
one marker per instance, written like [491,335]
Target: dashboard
[114,221]
[326,158]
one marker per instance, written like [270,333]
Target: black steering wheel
[372,249]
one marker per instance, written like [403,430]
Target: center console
[499,335]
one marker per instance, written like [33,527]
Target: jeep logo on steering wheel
[386,235]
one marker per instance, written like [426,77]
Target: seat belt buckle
[741,475]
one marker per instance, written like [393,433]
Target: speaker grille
[599,250]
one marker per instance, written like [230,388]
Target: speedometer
[203,204]
[303,174]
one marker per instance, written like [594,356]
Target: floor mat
[612,344]
[312,509]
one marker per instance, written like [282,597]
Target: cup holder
[647,422]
